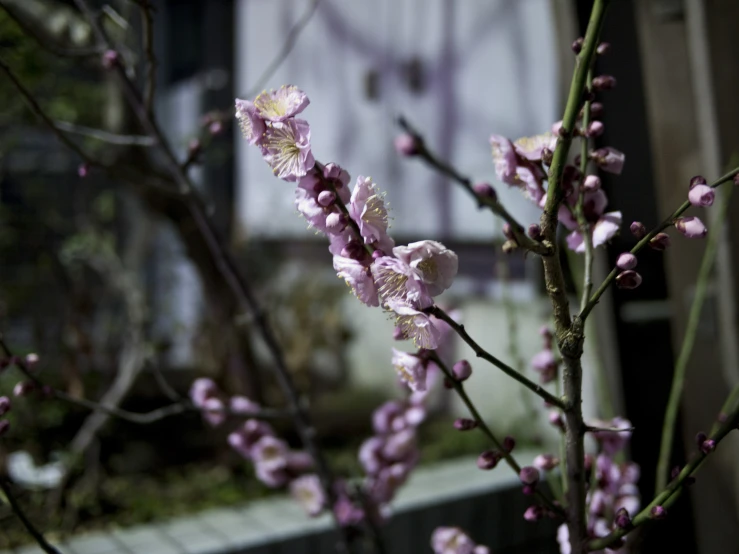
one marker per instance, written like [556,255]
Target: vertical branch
[151,61]
[582,222]
[570,335]
[30,527]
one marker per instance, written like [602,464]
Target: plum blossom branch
[505,452]
[667,222]
[27,523]
[655,508]
[691,328]
[489,201]
[548,397]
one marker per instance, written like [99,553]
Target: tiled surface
[279,526]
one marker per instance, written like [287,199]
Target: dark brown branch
[30,527]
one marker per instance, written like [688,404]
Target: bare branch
[102,135]
[30,527]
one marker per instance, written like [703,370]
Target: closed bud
[691,227]
[488,459]
[533,513]
[626,261]
[464,424]
[697,180]
[622,519]
[32,359]
[603,48]
[485,190]
[406,145]
[546,156]
[462,370]
[534,231]
[577,45]
[660,242]
[110,58]
[596,110]
[658,512]
[628,280]
[22,388]
[555,418]
[595,129]
[708,446]
[509,443]
[638,229]
[529,475]
[701,195]
[336,222]
[591,183]
[546,462]
[326,198]
[604,82]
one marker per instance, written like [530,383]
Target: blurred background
[111,286]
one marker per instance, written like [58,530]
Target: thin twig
[548,397]
[151,61]
[104,136]
[668,221]
[30,527]
[423,152]
[582,222]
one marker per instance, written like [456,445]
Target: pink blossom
[387,482]
[396,279]
[214,411]
[370,455]
[604,230]
[400,446]
[546,462]
[243,438]
[279,105]
[270,452]
[202,389]
[434,262]
[299,461]
[545,364]
[609,159]
[415,325]
[306,201]
[346,512]
[287,149]
[339,178]
[451,540]
[309,494]
[504,157]
[406,145]
[367,208]
[359,278]
[563,538]
[411,370]
[271,476]
[701,195]
[612,442]
[691,227]
[243,405]
[252,125]
[531,147]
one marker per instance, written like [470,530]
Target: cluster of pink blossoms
[452,540]
[401,279]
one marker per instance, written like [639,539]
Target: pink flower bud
[708,446]
[626,261]
[658,512]
[691,227]
[533,513]
[604,82]
[701,195]
[603,48]
[326,198]
[660,242]
[622,519]
[488,459]
[110,58]
[529,475]
[596,110]
[336,222]
[555,418]
[508,232]
[462,370]
[464,424]
[591,183]
[22,388]
[638,229]
[485,190]
[509,443]
[406,145]
[595,129]
[215,128]
[609,159]
[558,129]
[83,169]
[546,462]
[534,231]
[577,45]
[4,405]
[628,280]
[4,426]
[697,180]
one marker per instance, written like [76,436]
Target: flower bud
[546,156]
[707,446]
[462,370]
[626,261]
[464,424]
[529,475]
[609,159]
[534,231]
[83,169]
[22,388]
[4,426]
[595,129]
[406,145]
[622,519]
[604,82]
[691,227]
[577,45]
[591,183]
[485,190]
[558,129]
[508,231]
[4,405]
[488,459]
[603,48]
[658,512]
[326,198]
[509,443]
[638,229]
[336,222]
[660,242]
[215,128]
[555,418]
[697,180]
[628,280]
[701,195]
[110,58]
[533,513]
[596,110]
[546,462]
